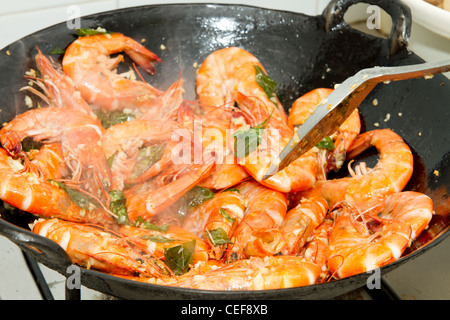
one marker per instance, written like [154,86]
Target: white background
[422,278]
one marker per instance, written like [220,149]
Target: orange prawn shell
[350,255]
[87,62]
[91,247]
[256,273]
[26,191]
[176,236]
[207,215]
[410,207]
[369,190]
[304,106]
[300,223]
[258,220]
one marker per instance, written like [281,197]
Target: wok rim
[108,12]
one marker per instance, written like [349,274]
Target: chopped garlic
[31,73]
[28,102]
[130,75]
[240,121]
[100,29]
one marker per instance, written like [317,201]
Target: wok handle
[399,12]
[41,249]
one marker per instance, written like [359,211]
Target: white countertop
[425,277]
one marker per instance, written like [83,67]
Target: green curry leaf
[225,214]
[111,118]
[197,195]
[57,51]
[90,32]
[141,223]
[326,143]
[118,206]
[247,141]
[217,236]
[179,258]
[157,238]
[146,158]
[267,84]
[82,200]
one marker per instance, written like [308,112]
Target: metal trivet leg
[72,294]
[44,290]
[38,277]
[385,293]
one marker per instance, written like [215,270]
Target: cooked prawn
[81,139]
[148,201]
[50,162]
[353,250]
[30,191]
[156,242]
[224,176]
[47,162]
[99,249]
[369,188]
[222,74]
[215,137]
[155,159]
[255,273]
[410,207]
[316,249]
[153,131]
[59,88]
[300,174]
[122,144]
[300,223]
[216,220]
[258,234]
[293,229]
[228,71]
[167,104]
[87,62]
[230,75]
[333,159]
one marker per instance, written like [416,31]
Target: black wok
[301,53]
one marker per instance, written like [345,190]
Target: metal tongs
[333,111]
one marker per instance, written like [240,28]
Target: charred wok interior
[300,53]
